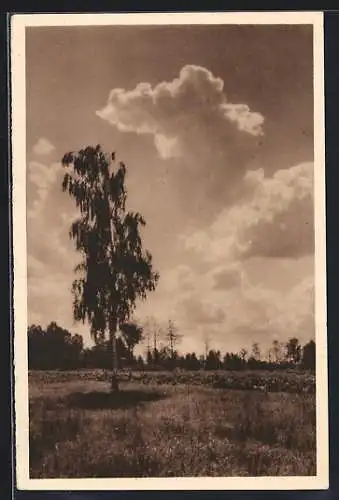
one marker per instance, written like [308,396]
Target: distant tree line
[56,348]
[53,348]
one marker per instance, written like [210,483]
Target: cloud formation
[43,147]
[178,112]
[204,141]
[51,257]
[237,315]
[41,181]
[214,294]
[223,303]
[274,218]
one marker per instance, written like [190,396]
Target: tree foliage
[115,270]
[132,334]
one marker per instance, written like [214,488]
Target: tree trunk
[113,322]
[114,380]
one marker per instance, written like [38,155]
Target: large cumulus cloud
[206,139]
[203,140]
[175,112]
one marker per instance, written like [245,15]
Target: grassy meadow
[172,424]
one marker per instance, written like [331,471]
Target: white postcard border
[18,25]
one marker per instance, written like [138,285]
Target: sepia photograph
[169,251]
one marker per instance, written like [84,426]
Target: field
[172,424]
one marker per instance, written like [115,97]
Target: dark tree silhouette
[132,335]
[57,340]
[213,361]
[140,362]
[37,355]
[100,355]
[293,350]
[53,348]
[233,361]
[115,270]
[75,350]
[191,361]
[308,356]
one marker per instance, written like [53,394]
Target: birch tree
[115,270]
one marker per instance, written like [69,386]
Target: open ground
[172,424]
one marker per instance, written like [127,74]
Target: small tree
[293,350]
[140,363]
[308,356]
[37,355]
[152,333]
[164,357]
[276,350]
[232,361]
[115,270]
[132,335]
[243,355]
[213,361]
[75,349]
[58,345]
[172,337]
[191,361]
[256,351]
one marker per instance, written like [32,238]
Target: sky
[215,126]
